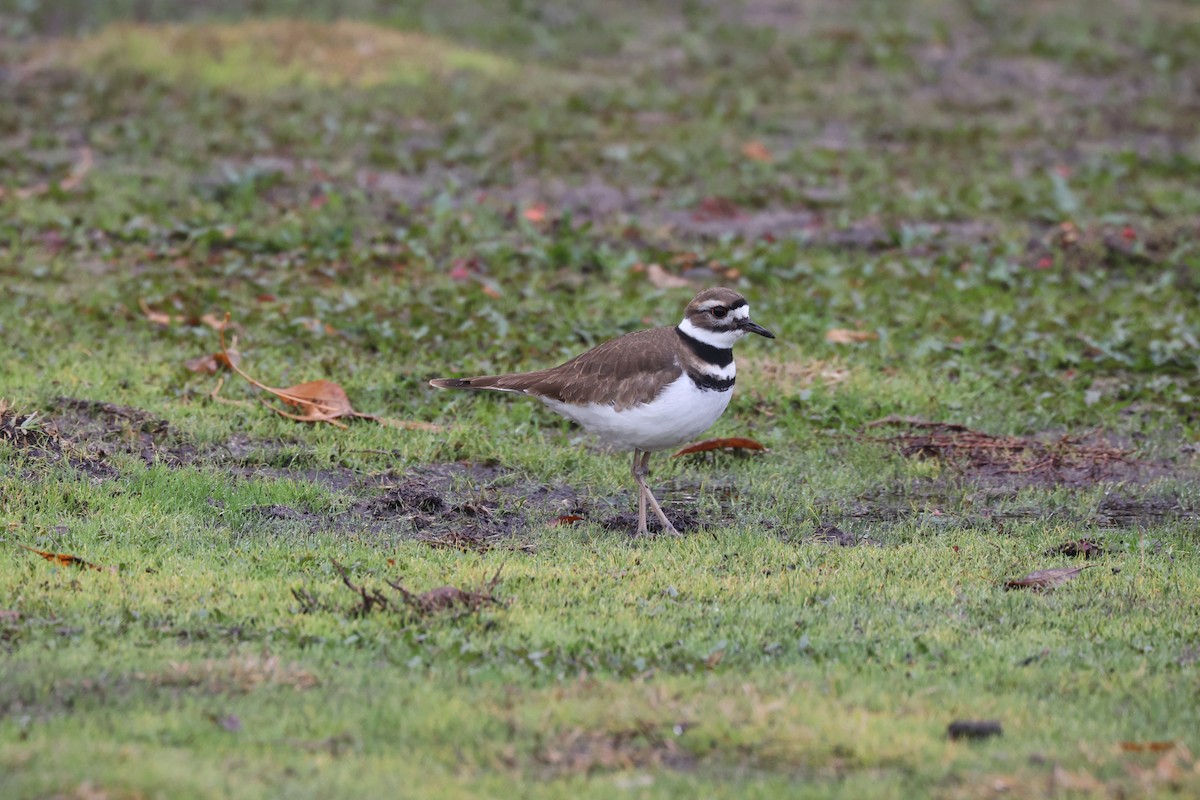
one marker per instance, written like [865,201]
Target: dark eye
[720,311]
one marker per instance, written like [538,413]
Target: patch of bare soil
[101,429]
[984,474]
[1016,461]
[41,440]
[1121,510]
[685,520]
[940,503]
[833,535]
[462,505]
[468,506]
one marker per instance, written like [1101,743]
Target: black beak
[754,327]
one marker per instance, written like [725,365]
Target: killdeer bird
[645,391]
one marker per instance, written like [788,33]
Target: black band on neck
[717,356]
[710,383]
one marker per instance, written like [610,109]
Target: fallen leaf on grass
[730,443]
[755,150]
[536,213]
[1173,765]
[157,317]
[716,208]
[661,279]
[65,559]
[79,171]
[214,322]
[165,320]
[567,519]
[848,336]
[317,401]
[1147,747]
[1045,579]
[214,362]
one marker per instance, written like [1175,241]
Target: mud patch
[40,439]
[832,534]
[944,504]
[685,520]
[1119,510]
[466,506]
[474,506]
[1087,548]
[102,429]
[282,513]
[415,496]
[1015,461]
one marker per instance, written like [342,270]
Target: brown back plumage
[624,372]
[633,369]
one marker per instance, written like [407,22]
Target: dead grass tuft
[790,377]
[234,675]
[583,752]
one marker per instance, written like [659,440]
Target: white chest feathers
[680,413]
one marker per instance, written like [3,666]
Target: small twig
[308,603]
[370,598]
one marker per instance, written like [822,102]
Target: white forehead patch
[741,312]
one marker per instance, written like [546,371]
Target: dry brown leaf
[566,519]
[317,401]
[70,183]
[728,443]
[661,279]
[157,317]
[1147,747]
[314,325]
[214,362]
[65,559]
[1045,579]
[848,336]
[214,322]
[714,208]
[757,151]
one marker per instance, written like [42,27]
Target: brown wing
[625,372]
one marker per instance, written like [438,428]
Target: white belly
[680,413]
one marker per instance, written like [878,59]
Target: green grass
[1004,196]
